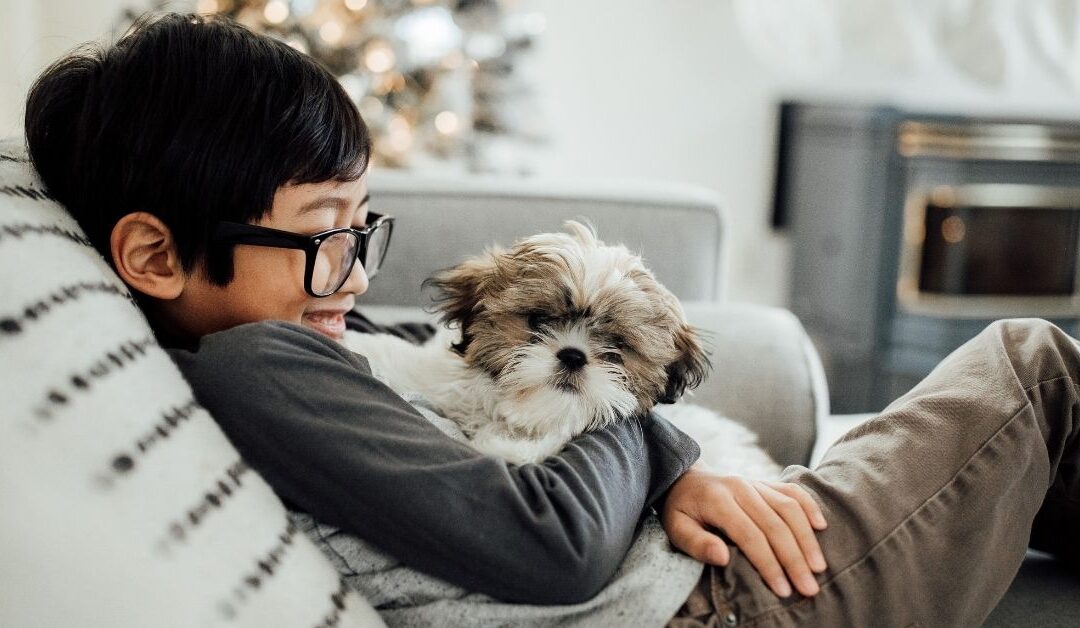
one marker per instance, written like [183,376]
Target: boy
[223,175]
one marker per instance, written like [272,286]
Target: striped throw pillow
[121,501]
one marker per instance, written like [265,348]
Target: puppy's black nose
[572,358]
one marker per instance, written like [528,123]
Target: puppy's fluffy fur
[554,336]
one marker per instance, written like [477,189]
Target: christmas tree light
[438,82]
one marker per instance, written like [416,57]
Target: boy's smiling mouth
[329,322]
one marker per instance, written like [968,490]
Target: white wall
[33,33]
[18,22]
[638,89]
[641,89]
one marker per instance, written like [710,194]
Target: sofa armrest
[766,375]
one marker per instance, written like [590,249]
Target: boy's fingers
[813,510]
[781,537]
[792,512]
[691,537]
[746,534]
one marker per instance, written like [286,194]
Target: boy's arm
[306,414]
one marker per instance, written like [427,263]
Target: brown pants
[932,504]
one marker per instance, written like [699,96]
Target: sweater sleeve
[331,439]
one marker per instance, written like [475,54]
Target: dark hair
[194,119]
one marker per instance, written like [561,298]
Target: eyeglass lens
[337,254]
[334,262]
[376,250]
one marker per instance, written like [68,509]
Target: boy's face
[268,283]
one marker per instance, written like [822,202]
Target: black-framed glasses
[330,254]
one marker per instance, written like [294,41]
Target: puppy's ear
[690,369]
[461,290]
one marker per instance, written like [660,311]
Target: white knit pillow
[121,501]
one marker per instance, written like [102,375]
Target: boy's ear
[145,256]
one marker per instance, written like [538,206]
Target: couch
[124,505]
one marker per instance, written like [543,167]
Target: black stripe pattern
[337,599]
[16,323]
[25,191]
[21,229]
[124,462]
[224,488]
[18,159]
[416,333]
[60,397]
[262,571]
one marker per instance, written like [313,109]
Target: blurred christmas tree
[440,83]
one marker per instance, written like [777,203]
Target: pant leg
[1057,525]
[930,505]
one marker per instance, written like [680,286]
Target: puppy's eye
[611,356]
[537,319]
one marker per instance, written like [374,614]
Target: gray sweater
[363,467]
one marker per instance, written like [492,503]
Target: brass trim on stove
[981,196]
[992,141]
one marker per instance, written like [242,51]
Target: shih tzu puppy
[554,336]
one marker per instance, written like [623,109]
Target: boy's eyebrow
[337,201]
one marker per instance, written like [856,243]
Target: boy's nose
[357,283]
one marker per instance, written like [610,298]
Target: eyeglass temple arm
[243,234]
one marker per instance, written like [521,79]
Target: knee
[1028,332]
[1025,328]
[1037,349]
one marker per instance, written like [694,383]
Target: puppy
[554,336]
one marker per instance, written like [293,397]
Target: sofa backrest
[121,501]
[677,228]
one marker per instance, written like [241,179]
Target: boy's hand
[773,523]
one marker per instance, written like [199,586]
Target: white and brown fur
[554,336]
